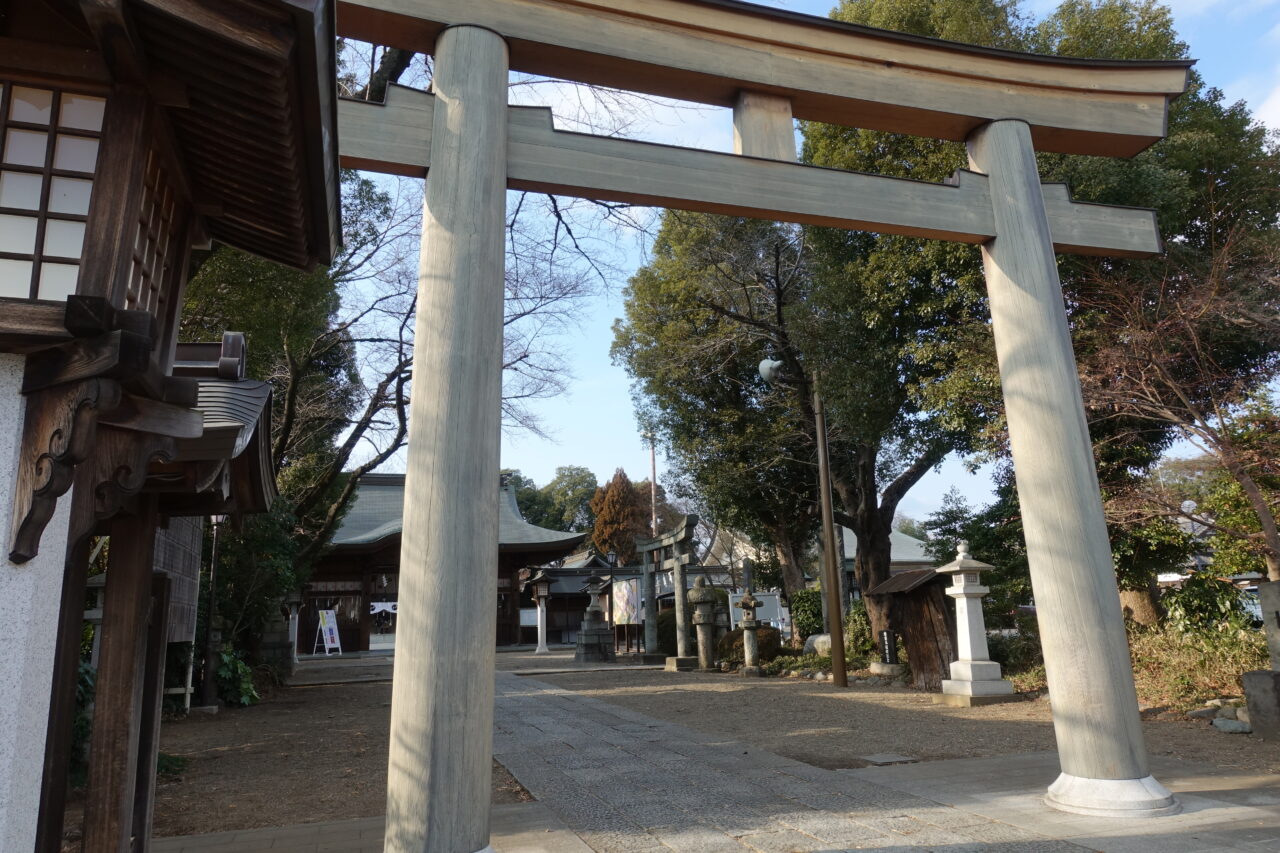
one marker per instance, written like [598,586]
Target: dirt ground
[815,723]
[319,753]
[306,754]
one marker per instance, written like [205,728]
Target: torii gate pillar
[1086,653]
[442,694]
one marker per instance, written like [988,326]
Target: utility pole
[653,483]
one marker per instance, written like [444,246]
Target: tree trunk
[871,567]
[792,574]
[1142,605]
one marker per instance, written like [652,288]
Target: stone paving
[611,780]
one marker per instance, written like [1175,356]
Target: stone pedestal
[886,669]
[1262,694]
[680,664]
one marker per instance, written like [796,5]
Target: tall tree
[569,493]
[620,518]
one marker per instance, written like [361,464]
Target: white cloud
[1268,109]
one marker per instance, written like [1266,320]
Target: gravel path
[819,725]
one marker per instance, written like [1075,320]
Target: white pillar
[30,598]
[1095,708]
[442,695]
[542,627]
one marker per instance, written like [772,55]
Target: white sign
[327,633]
[382,607]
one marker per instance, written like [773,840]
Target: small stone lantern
[703,599]
[750,644]
[595,637]
[975,678]
[540,583]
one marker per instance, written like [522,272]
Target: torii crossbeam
[771,67]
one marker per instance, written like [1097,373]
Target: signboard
[382,607]
[327,634]
[626,602]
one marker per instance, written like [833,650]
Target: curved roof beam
[709,50]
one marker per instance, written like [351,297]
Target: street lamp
[541,592]
[772,373]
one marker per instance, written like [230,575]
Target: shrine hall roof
[377,514]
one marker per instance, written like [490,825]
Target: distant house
[906,554]
[359,576]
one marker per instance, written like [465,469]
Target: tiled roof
[377,513]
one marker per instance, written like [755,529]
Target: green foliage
[235,679]
[1205,603]
[859,640]
[1017,649]
[795,662]
[806,612]
[1142,550]
[569,494]
[1179,670]
[257,567]
[620,518]
[995,536]
[667,632]
[768,643]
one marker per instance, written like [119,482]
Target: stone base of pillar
[1135,798]
[994,687]
[750,671]
[652,660]
[959,700]
[686,664]
[1262,693]
[879,668]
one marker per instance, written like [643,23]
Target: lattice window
[154,243]
[49,141]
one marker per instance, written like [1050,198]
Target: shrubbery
[806,612]
[859,642]
[768,641]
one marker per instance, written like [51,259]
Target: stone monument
[1262,686]
[975,678]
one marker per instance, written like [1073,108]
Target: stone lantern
[750,625]
[975,678]
[703,599]
[541,586]
[595,637]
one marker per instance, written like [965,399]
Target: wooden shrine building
[131,132]
[359,576]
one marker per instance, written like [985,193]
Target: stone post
[1103,758]
[682,618]
[542,627]
[750,641]
[441,746]
[650,593]
[703,599]
[975,678]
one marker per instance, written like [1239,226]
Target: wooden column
[1095,707]
[151,707]
[117,714]
[442,695]
[762,126]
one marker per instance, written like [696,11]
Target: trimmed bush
[806,612]
[768,641]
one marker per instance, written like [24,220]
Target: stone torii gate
[669,552]
[770,66]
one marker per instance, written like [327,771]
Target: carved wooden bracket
[58,433]
[120,461]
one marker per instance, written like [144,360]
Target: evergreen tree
[620,518]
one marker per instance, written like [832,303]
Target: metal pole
[830,574]
[653,486]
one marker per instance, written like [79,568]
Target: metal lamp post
[771,372]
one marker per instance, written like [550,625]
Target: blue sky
[1237,45]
